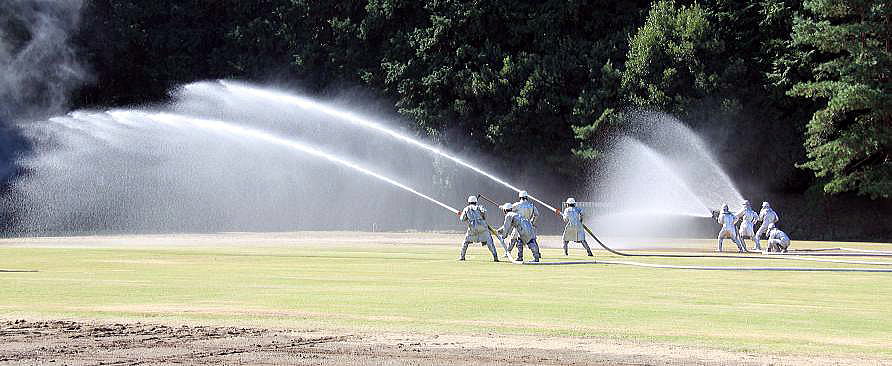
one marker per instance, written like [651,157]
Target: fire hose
[784,257]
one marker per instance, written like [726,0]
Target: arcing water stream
[641,182]
[672,147]
[244,90]
[143,170]
[224,127]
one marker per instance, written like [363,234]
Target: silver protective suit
[778,241]
[525,231]
[769,218]
[747,218]
[528,210]
[478,231]
[573,230]
[726,219]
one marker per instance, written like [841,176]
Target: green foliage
[849,140]
[666,66]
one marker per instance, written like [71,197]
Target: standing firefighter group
[519,226]
[740,226]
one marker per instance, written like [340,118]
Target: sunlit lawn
[423,288]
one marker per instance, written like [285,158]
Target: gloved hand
[557,211]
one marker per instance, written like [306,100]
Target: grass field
[407,282]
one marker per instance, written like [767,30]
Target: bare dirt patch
[89,343]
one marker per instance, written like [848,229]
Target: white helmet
[765,204]
[571,201]
[725,209]
[523,194]
[472,199]
[507,207]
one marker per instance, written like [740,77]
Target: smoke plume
[38,68]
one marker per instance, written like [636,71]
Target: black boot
[534,247]
[519,252]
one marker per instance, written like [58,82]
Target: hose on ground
[589,231]
[719,268]
[839,249]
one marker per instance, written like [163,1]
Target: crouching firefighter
[573,230]
[778,241]
[515,221]
[726,219]
[474,216]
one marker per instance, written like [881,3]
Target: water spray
[357,120]
[221,126]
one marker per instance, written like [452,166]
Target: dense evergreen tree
[849,140]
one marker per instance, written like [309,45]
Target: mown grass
[422,288]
